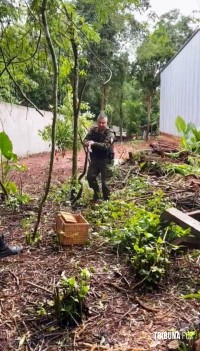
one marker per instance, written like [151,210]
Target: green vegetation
[68,303]
[64,129]
[27,226]
[8,162]
[69,299]
[133,226]
[192,296]
[190,135]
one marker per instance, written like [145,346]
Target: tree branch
[34,53]
[7,64]
[55,106]
[81,93]
[19,88]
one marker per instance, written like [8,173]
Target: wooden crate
[72,233]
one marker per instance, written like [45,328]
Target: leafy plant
[190,135]
[69,299]
[59,193]
[182,169]
[27,225]
[8,163]
[16,200]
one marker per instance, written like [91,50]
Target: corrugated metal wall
[180,88]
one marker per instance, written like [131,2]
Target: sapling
[69,299]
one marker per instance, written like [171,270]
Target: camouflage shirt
[103,143]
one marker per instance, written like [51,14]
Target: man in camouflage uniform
[99,141]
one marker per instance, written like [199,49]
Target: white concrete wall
[22,125]
[180,87]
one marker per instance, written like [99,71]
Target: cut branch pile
[161,146]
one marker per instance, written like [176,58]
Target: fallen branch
[128,174]
[117,287]
[125,314]
[146,307]
[16,278]
[80,330]
[39,287]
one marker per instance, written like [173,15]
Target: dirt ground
[121,318]
[37,166]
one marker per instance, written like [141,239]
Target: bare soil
[121,317]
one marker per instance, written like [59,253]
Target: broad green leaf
[21,168]
[11,187]
[6,146]
[196,134]
[180,124]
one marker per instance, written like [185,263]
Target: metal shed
[180,87]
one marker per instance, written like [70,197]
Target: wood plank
[185,221]
[194,214]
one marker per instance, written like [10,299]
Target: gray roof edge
[178,52]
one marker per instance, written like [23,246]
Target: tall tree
[117,26]
[171,31]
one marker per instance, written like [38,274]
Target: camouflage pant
[104,168]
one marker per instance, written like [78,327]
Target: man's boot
[96,196]
[6,250]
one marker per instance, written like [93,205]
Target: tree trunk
[77,98]
[55,106]
[121,118]
[76,108]
[149,106]
[104,97]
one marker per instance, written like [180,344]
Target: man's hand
[88,143]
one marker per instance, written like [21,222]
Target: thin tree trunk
[104,97]
[121,118]
[76,108]
[77,98]
[55,105]
[149,106]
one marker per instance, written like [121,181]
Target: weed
[18,200]
[8,162]
[27,225]
[69,299]
[61,193]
